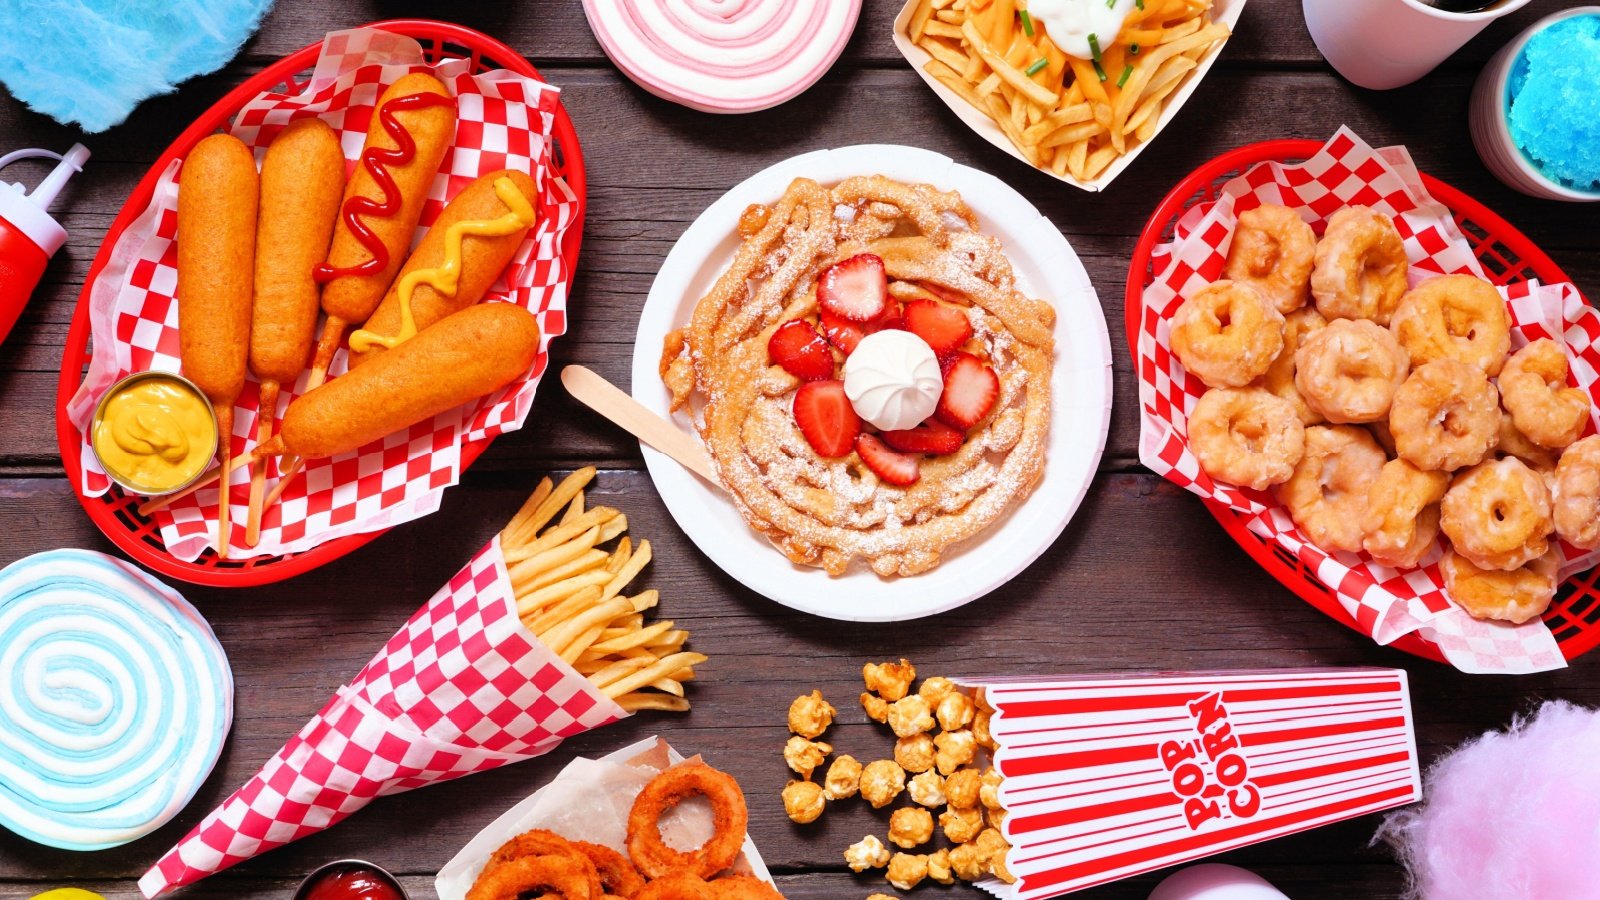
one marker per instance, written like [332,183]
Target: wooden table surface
[1197,601]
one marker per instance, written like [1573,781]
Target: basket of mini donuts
[456,131]
[1383,392]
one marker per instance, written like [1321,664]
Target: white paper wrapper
[1224,11]
[589,801]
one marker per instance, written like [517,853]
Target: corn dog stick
[258,469]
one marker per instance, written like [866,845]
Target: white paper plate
[1046,267]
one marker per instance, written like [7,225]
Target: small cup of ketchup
[350,879]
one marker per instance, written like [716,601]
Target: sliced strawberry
[970,389]
[801,351]
[845,334]
[945,328]
[826,418]
[856,288]
[932,436]
[895,468]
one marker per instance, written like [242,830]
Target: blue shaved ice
[1554,94]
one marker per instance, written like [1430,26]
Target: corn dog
[302,181]
[409,135]
[217,197]
[458,260]
[465,356]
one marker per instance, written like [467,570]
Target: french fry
[569,590]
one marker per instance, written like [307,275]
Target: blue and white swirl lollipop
[115,698]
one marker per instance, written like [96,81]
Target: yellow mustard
[446,277]
[156,433]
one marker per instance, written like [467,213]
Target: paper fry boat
[463,687]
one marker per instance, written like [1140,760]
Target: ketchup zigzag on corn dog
[458,260]
[410,133]
[217,203]
[302,181]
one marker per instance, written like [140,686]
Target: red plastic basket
[115,512]
[1507,255]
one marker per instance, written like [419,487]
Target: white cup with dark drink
[1384,44]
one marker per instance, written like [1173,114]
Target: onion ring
[730,817]
[550,877]
[743,887]
[540,842]
[677,884]
[618,877]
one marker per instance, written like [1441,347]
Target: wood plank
[1203,605]
[650,177]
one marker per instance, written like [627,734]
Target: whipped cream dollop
[893,380]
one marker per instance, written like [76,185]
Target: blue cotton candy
[92,61]
[1554,91]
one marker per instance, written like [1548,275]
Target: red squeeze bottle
[29,236]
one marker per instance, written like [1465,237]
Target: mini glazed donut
[1246,436]
[1456,316]
[1514,596]
[1577,494]
[1515,443]
[1498,515]
[1543,406]
[1360,267]
[1445,416]
[1272,251]
[1227,334]
[1279,378]
[1349,371]
[1403,514]
[1327,494]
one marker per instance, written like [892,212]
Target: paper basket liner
[504,121]
[1110,776]
[461,688]
[1386,603]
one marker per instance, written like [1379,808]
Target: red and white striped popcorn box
[461,688]
[1108,776]
[504,120]
[1387,603]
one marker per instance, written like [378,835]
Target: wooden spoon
[633,417]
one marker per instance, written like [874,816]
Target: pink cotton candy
[1512,814]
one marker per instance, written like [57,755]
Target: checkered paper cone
[462,688]
[1386,603]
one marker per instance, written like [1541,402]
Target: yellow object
[157,433]
[446,277]
[68,894]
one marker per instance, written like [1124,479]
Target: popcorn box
[1225,11]
[462,687]
[1108,776]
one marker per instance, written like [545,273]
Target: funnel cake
[827,511]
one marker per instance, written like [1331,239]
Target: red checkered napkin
[504,121]
[461,688]
[1345,172]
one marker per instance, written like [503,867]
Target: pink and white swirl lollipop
[723,56]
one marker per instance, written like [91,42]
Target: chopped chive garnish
[1099,71]
[1133,49]
[1139,3]
[1126,71]
[1111,4]
[1094,47]
[1027,22]
[1037,65]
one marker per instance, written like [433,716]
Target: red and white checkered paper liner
[461,688]
[504,120]
[1345,172]
[1108,776]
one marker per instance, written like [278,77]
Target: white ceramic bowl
[1080,396]
[1489,114]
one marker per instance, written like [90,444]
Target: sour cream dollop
[893,380]
[1070,22]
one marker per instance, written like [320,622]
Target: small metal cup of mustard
[154,433]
